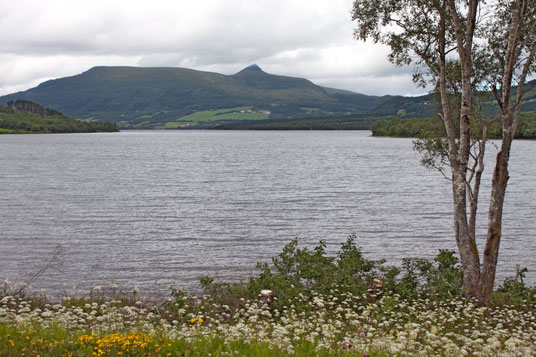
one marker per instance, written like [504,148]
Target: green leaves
[304,271]
[417,32]
[423,278]
[300,272]
[433,149]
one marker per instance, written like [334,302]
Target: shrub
[424,279]
[514,292]
[304,271]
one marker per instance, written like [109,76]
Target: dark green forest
[418,127]
[24,117]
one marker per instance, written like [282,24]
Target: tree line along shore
[422,127]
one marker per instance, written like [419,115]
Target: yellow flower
[196,320]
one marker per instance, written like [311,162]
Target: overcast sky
[313,39]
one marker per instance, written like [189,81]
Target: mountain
[166,97]
[252,68]
[176,97]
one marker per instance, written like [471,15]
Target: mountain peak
[252,68]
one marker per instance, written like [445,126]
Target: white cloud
[310,39]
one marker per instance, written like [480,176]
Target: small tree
[463,47]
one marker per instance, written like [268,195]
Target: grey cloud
[311,39]
[381,85]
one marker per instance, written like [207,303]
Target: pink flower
[362,334]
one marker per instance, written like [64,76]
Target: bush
[425,280]
[303,271]
[298,272]
[514,292]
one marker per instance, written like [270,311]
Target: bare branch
[497,96]
[50,261]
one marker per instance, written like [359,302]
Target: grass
[8,131]
[224,114]
[173,125]
[315,111]
[58,342]
[352,325]
[231,114]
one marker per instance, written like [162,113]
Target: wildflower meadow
[312,305]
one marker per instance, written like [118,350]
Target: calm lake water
[158,208]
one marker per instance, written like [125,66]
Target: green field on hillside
[240,113]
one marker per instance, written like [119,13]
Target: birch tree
[464,47]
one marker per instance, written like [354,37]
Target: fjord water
[158,208]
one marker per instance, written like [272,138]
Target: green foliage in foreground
[302,272]
[20,122]
[56,341]
[419,127]
[322,306]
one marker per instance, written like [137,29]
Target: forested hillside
[27,117]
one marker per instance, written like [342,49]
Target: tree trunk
[498,192]
[465,238]
[469,256]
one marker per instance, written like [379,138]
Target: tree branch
[497,96]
